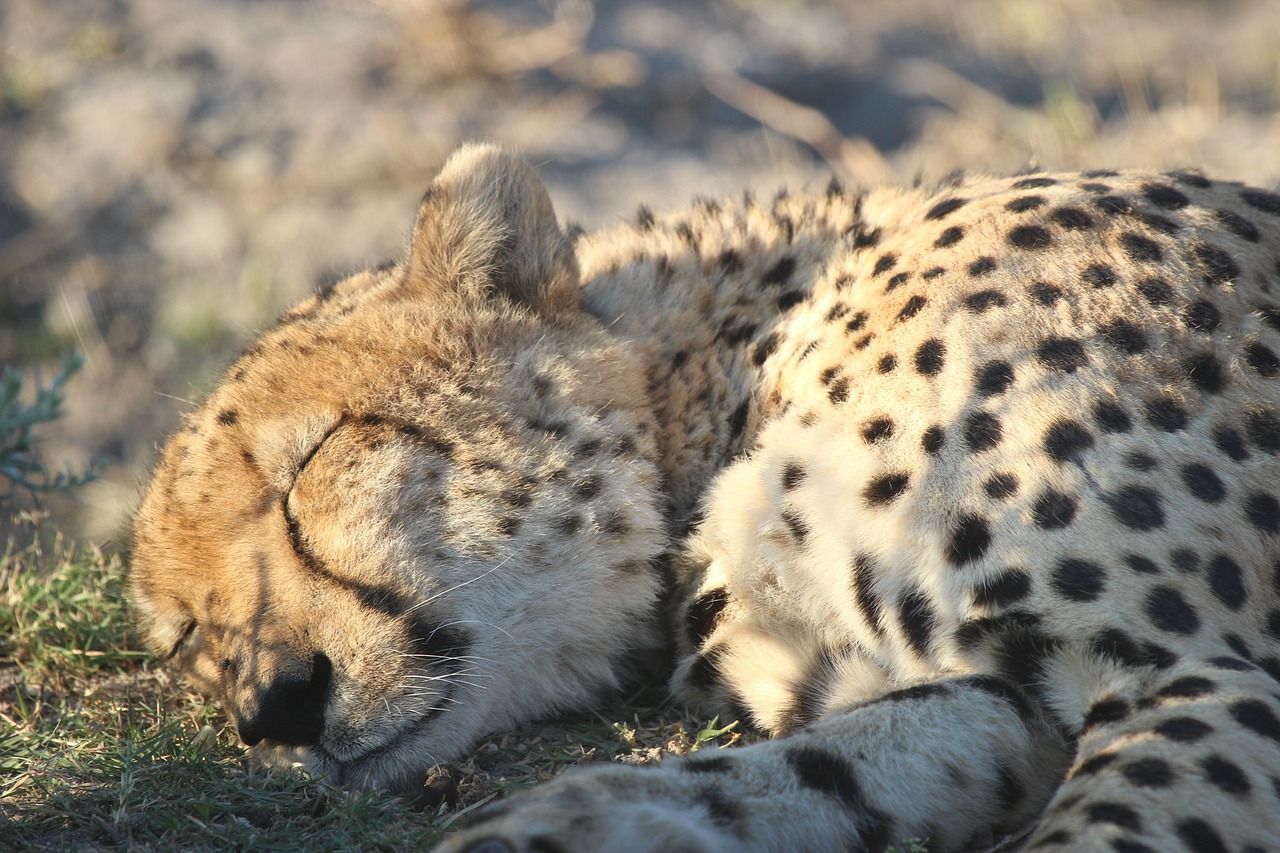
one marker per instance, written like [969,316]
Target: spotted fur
[968,494]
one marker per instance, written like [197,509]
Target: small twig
[855,159]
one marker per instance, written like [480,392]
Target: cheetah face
[350,542]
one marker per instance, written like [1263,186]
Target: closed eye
[183,639]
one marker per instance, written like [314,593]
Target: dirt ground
[174,173]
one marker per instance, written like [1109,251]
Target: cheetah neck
[702,299]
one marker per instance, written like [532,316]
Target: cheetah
[965,494]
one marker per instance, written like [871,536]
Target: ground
[174,174]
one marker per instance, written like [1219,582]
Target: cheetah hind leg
[1191,762]
[958,762]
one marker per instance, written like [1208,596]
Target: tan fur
[969,491]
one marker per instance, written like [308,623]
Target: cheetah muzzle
[967,494]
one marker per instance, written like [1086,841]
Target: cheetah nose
[291,709]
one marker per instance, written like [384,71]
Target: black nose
[290,710]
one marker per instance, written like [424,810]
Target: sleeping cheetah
[967,494]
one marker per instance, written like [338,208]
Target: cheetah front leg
[956,761]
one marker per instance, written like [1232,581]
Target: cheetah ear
[486,227]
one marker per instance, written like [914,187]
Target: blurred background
[175,173]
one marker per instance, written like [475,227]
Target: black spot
[1187,687]
[1205,372]
[982,266]
[1113,205]
[1183,729]
[887,363]
[1267,202]
[764,349]
[1202,316]
[1115,814]
[984,299]
[1105,711]
[1141,249]
[1142,565]
[932,273]
[942,208]
[877,429]
[729,261]
[793,474]
[1033,183]
[970,539]
[1185,560]
[1236,223]
[1227,581]
[1053,510]
[1118,646]
[1095,765]
[1124,336]
[1064,355]
[949,237]
[780,273]
[1261,359]
[1256,716]
[828,774]
[1024,203]
[1044,293]
[1233,664]
[1270,315]
[1078,580]
[886,488]
[227,417]
[1165,196]
[930,357]
[917,620]
[1200,837]
[1231,443]
[1072,218]
[896,281]
[704,613]
[864,592]
[738,420]
[932,440]
[799,529]
[1203,483]
[1218,266]
[1021,652]
[786,300]
[1156,291]
[1225,775]
[1098,276]
[993,378]
[1263,511]
[589,487]
[1005,589]
[1189,178]
[1264,431]
[982,431]
[1001,486]
[1110,417]
[1139,461]
[1169,611]
[839,390]
[1030,237]
[912,307]
[916,692]
[885,263]
[856,322]
[569,525]
[1065,440]
[1137,507]
[1166,414]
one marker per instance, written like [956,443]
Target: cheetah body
[967,493]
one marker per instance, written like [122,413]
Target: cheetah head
[421,508]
